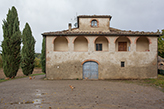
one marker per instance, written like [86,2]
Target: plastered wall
[142,44]
[60,44]
[80,44]
[103,24]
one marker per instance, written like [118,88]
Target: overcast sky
[54,15]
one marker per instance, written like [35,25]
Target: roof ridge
[112,31]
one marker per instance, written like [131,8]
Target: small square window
[122,64]
[98,47]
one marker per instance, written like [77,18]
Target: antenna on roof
[74,20]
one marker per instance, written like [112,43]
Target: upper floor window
[94,23]
[101,44]
[122,44]
[98,47]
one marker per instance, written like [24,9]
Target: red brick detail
[116,39]
[129,39]
[90,60]
[53,39]
[59,36]
[97,23]
[146,37]
[107,39]
[80,36]
[101,36]
[149,40]
[136,40]
[126,37]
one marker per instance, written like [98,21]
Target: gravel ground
[56,94]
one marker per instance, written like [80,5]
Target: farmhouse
[94,50]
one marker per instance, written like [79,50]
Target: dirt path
[56,94]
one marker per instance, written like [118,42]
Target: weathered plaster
[67,65]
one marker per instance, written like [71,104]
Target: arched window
[101,44]
[81,44]
[60,44]
[122,44]
[94,23]
[142,44]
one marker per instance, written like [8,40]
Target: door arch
[90,70]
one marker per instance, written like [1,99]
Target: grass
[3,79]
[158,82]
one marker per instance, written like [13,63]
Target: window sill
[94,27]
[60,51]
[101,51]
[122,51]
[142,51]
[80,51]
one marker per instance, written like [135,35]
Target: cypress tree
[161,45]
[11,44]
[43,60]
[28,51]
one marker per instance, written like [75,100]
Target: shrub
[37,63]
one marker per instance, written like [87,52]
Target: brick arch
[59,36]
[116,39]
[80,36]
[125,36]
[101,36]
[146,37]
[90,60]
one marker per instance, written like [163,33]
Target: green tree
[11,44]
[28,51]
[37,63]
[161,45]
[1,64]
[43,54]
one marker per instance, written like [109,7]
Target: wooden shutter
[122,46]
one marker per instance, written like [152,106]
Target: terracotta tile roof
[94,16]
[112,32]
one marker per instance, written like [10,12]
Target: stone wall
[69,64]
[85,24]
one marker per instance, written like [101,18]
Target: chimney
[69,26]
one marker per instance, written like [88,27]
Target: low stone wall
[20,73]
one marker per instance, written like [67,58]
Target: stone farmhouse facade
[94,50]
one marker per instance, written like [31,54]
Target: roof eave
[103,34]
